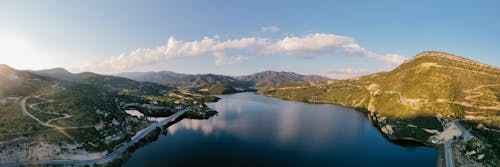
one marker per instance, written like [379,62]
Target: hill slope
[102,81]
[121,84]
[262,79]
[57,73]
[20,83]
[208,80]
[431,85]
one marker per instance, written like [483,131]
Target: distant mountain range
[105,81]
[269,78]
[262,79]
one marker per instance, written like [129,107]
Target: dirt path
[476,94]
[47,123]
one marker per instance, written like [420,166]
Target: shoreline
[369,117]
[125,154]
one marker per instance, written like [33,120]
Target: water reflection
[254,130]
[281,122]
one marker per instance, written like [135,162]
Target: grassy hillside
[431,85]
[57,73]
[72,107]
[208,80]
[204,81]
[20,83]
[221,89]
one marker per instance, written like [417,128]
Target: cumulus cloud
[300,46]
[270,29]
[347,73]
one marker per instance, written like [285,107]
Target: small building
[134,113]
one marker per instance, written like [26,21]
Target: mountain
[430,77]
[269,78]
[75,99]
[207,80]
[56,110]
[102,81]
[406,101]
[218,89]
[121,84]
[262,79]
[15,82]
[57,73]
[157,77]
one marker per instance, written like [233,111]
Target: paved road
[139,135]
[448,154]
[448,151]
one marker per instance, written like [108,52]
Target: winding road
[108,158]
[47,124]
[25,111]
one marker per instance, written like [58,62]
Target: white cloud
[392,59]
[347,73]
[309,45]
[270,29]
[221,59]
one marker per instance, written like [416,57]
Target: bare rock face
[22,149]
[387,129]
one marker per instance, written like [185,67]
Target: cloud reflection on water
[278,121]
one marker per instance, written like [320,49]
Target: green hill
[20,83]
[200,81]
[208,80]
[122,84]
[57,73]
[431,85]
[221,89]
[72,107]
[112,83]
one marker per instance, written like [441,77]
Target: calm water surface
[255,130]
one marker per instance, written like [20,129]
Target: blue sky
[334,38]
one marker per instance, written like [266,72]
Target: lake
[254,130]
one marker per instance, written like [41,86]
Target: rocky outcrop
[23,149]
[387,129]
[454,58]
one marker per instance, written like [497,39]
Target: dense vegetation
[221,89]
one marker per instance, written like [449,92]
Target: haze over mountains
[262,79]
